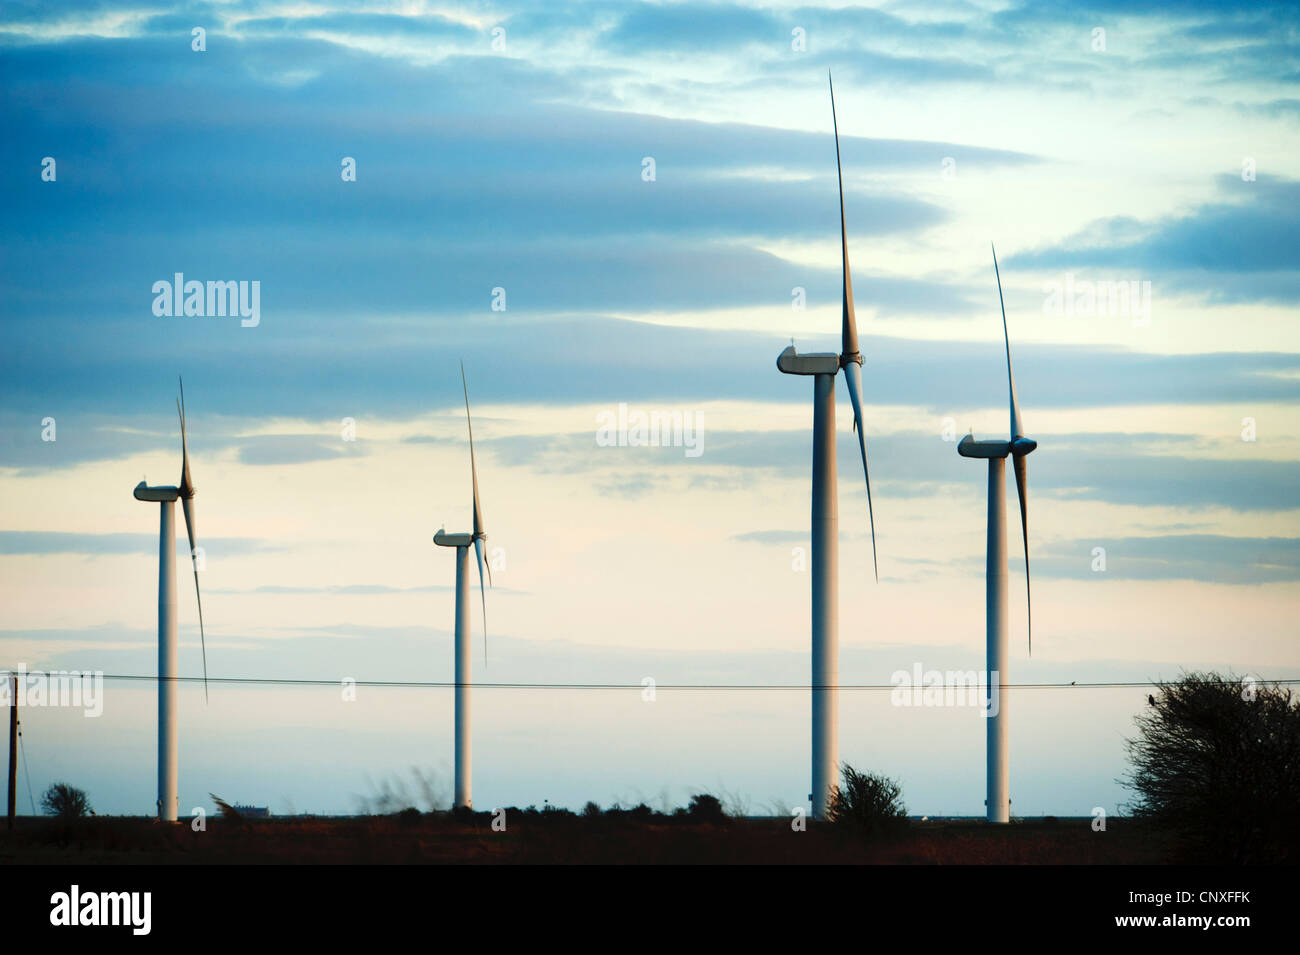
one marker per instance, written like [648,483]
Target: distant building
[253,812]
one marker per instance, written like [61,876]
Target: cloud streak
[48,543]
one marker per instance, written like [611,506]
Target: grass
[562,837]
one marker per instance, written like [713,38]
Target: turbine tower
[462,542]
[823,367]
[168,741]
[997,801]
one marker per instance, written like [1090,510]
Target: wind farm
[704,648]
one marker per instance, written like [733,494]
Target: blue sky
[1162,150]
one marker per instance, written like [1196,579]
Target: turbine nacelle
[443,539]
[790,362]
[968,447]
[155,495]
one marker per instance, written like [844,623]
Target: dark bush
[706,808]
[867,802]
[1217,763]
[64,801]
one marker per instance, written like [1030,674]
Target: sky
[620,203]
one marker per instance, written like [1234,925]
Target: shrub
[705,808]
[64,801]
[1217,763]
[867,802]
[591,810]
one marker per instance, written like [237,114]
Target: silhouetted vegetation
[709,829]
[64,801]
[227,811]
[706,808]
[1217,763]
[410,816]
[867,803]
[620,836]
[394,795]
[638,813]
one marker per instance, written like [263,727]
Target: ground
[542,837]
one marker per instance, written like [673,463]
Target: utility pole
[13,751]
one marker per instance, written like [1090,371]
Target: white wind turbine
[462,542]
[825,517]
[997,801]
[168,741]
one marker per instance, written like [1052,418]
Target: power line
[429,684]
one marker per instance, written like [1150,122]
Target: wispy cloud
[296,449]
[1243,250]
[46,543]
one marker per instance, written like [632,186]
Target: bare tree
[1217,763]
[64,801]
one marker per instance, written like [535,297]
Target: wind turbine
[823,367]
[462,542]
[165,497]
[997,801]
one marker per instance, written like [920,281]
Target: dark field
[538,838]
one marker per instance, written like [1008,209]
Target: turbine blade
[1022,489]
[473,469]
[849,328]
[478,550]
[853,378]
[187,486]
[480,535]
[187,505]
[1017,429]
